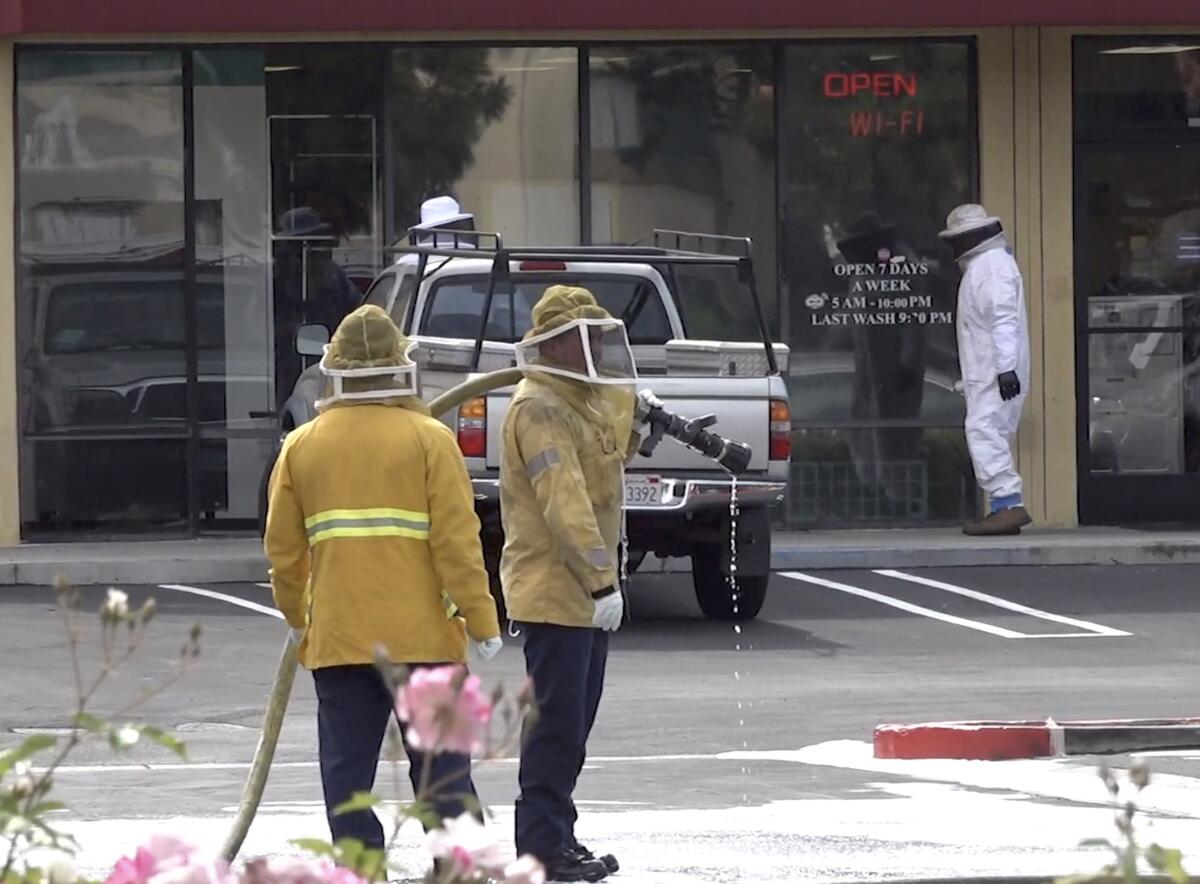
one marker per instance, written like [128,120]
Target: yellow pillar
[1055,195]
[1025,162]
[10,505]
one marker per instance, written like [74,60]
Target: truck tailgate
[742,407]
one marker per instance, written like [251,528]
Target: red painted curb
[1009,740]
[965,740]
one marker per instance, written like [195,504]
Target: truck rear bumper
[680,496]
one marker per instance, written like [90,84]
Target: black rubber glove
[1010,385]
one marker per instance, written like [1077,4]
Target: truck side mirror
[311,340]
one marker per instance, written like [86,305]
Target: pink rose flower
[135,869]
[295,870]
[165,859]
[288,870]
[342,875]
[201,872]
[468,845]
[444,709]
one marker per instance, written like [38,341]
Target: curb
[833,557]
[1012,740]
[240,559]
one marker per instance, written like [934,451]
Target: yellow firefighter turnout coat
[561,496]
[373,539]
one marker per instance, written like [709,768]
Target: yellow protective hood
[607,405]
[367,362]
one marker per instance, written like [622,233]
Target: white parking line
[903,605]
[220,596]
[1094,628]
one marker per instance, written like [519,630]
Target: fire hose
[732,456]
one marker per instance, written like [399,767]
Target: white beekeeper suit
[993,353]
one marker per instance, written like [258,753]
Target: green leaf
[347,851]
[1096,842]
[424,813]
[373,866]
[1169,861]
[30,747]
[91,723]
[46,807]
[359,801]
[313,845]
[165,739]
[1129,869]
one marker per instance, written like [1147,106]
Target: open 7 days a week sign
[885,292]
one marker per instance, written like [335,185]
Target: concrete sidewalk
[240,559]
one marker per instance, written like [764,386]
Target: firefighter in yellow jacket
[567,436]
[373,542]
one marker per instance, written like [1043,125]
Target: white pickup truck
[699,342]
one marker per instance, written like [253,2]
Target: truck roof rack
[478,244]
[487,244]
[662,237]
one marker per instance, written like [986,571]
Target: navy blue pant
[353,707]
[566,666]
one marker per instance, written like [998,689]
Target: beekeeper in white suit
[993,353]
[444,213]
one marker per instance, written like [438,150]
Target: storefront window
[102,313]
[497,129]
[683,137]
[1137,233]
[879,144]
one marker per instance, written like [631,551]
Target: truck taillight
[781,430]
[472,427]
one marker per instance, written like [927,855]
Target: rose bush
[443,709]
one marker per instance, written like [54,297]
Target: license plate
[643,490]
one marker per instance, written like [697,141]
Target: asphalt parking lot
[722,753]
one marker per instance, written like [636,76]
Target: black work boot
[610,861]
[1005,522]
[569,867]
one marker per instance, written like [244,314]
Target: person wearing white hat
[993,353]
[444,213]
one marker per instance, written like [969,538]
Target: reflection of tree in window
[442,101]
[686,100]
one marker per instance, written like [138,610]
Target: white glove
[646,401]
[488,648]
[297,634]
[610,611]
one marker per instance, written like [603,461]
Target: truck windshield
[456,307]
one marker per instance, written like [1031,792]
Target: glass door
[1137,279]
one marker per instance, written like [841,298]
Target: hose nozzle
[730,455]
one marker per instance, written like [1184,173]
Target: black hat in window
[868,240]
[304,222]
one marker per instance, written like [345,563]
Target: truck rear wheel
[720,599]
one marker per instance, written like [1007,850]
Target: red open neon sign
[879,84]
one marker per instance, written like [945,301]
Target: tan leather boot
[1005,522]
